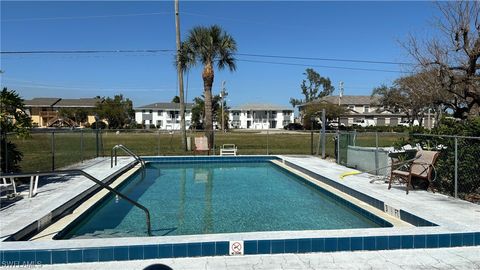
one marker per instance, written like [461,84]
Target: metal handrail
[98,182]
[128,151]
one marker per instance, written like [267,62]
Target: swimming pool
[218,197]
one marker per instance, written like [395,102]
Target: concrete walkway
[440,258]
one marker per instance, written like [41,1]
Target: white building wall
[264,123]
[164,116]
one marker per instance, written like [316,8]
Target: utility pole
[223,94]
[180,78]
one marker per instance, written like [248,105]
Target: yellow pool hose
[349,173]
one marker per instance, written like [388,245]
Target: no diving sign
[236,247]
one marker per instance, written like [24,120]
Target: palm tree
[210,46]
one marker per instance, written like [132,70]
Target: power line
[84,17]
[172,50]
[85,51]
[322,66]
[325,59]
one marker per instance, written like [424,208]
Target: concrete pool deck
[54,192]
[450,214]
[465,258]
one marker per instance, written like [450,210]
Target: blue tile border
[251,247]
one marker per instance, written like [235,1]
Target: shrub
[468,155]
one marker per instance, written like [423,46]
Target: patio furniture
[421,167]
[228,150]
[201,145]
[6,185]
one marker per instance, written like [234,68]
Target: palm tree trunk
[208,76]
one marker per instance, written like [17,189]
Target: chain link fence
[457,169]
[46,149]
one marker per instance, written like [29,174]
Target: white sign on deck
[236,248]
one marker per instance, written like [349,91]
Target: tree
[454,55]
[198,110]
[176,99]
[78,115]
[13,119]
[311,88]
[314,109]
[210,46]
[118,111]
[413,95]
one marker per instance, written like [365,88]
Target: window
[159,123]
[151,111]
[159,112]
[236,113]
[249,114]
[286,122]
[366,108]
[287,113]
[143,111]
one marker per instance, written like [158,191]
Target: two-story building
[360,108]
[260,116]
[45,111]
[163,115]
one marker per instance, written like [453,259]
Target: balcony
[48,114]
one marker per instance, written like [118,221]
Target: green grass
[37,149]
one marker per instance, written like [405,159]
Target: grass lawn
[71,148]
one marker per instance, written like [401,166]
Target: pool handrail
[113,153]
[89,176]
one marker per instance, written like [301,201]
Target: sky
[370,31]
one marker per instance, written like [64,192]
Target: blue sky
[342,30]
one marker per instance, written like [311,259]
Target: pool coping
[86,250]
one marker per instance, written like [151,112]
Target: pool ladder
[113,153]
[98,182]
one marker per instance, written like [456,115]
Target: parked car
[364,122]
[334,124]
[294,126]
[406,123]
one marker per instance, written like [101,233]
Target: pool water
[205,198]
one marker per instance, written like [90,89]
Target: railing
[48,113]
[128,151]
[98,182]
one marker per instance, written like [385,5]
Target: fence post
[456,167]
[6,152]
[267,143]
[97,142]
[324,137]
[81,145]
[158,143]
[376,152]
[338,147]
[53,150]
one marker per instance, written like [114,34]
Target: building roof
[62,102]
[41,102]
[348,100]
[78,102]
[164,106]
[261,107]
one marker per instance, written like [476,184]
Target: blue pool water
[203,198]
